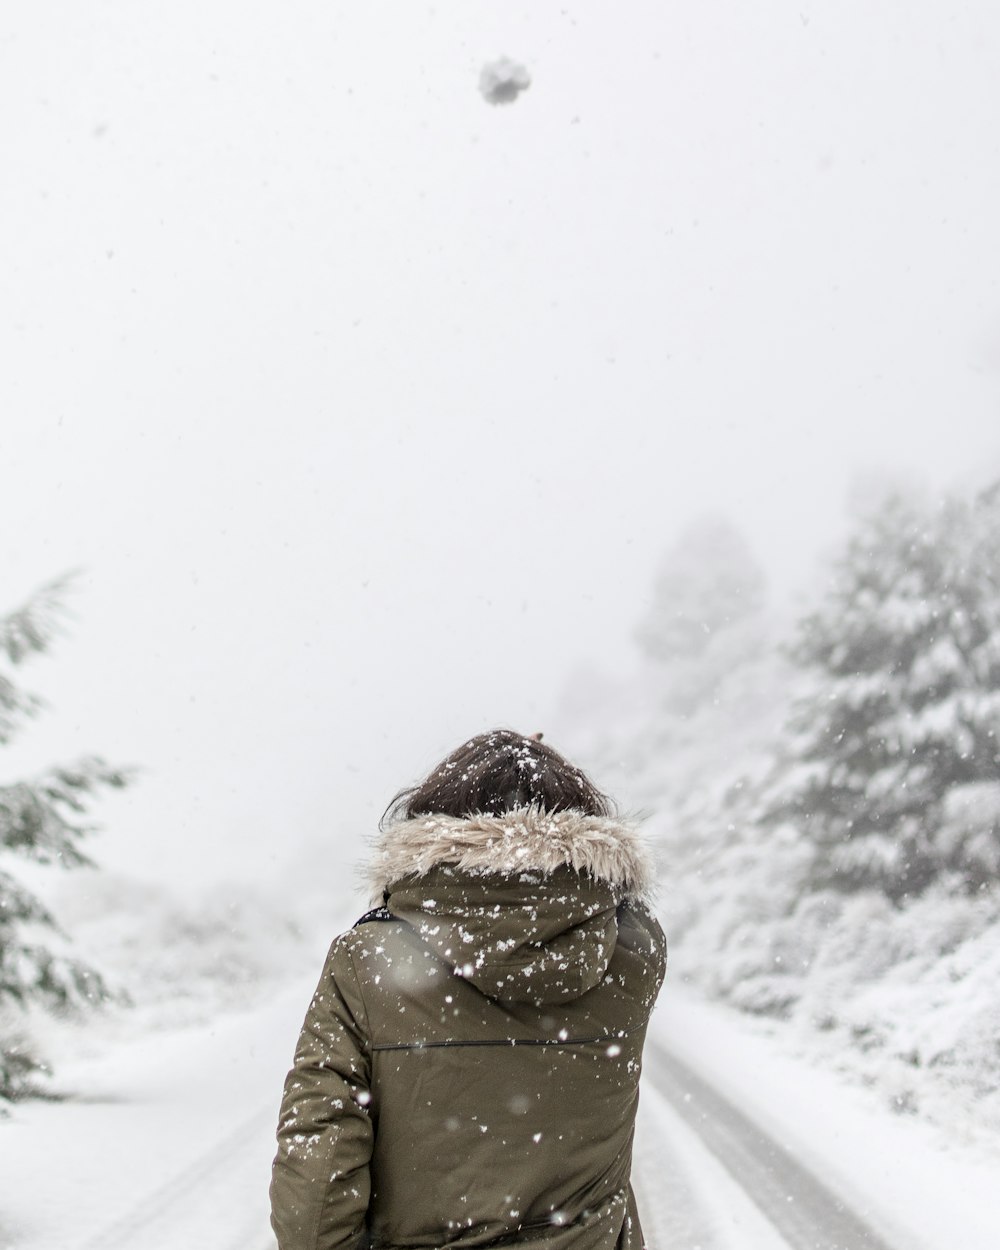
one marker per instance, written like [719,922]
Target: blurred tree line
[877,722]
[822,782]
[890,767]
[43,820]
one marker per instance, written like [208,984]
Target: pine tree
[707,581]
[705,614]
[42,820]
[891,772]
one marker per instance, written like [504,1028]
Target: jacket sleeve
[320,1183]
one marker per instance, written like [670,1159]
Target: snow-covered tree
[893,761]
[44,820]
[705,615]
[707,581]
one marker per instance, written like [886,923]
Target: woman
[467,1074]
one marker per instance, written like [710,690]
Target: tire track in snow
[694,1202]
[669,1209]
[808,1215]
[218,1188]
[197,1198]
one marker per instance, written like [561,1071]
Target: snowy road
[181,1210]
[708,1178]
[738,1147]
[803,1213]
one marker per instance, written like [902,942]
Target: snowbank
[925,1186]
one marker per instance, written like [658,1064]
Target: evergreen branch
[37,819]
[18,906]
[34,974]
[15,705]
[18,1071]
[33,626]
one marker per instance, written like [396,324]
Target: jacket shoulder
[376,914]
[641,933]
[366,940]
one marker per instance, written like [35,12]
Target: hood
[523,905]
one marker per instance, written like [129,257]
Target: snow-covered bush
[171,961]
[183,958]
[827,810]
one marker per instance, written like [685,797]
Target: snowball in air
[503,80]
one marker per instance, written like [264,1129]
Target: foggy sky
[367,409]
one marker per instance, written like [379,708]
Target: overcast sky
[367,408]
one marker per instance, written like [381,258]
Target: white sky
[367,408]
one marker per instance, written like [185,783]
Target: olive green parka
[467,1074]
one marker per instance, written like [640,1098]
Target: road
[707,1178]
[184,1212]
[795,1209]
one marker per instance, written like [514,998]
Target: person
[468,1070]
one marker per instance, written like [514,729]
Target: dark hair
[496,772]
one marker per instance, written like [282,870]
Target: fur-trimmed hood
[524,905]
[525,839]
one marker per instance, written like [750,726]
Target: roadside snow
[921,1186]
[168,1138]
[167,1141]
[164,1129]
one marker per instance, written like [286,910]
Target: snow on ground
[166,1143]
[903,998]
[921,1186]
[164,1133]
[687,1200]
[167,1137]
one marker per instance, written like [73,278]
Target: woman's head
[496,772]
